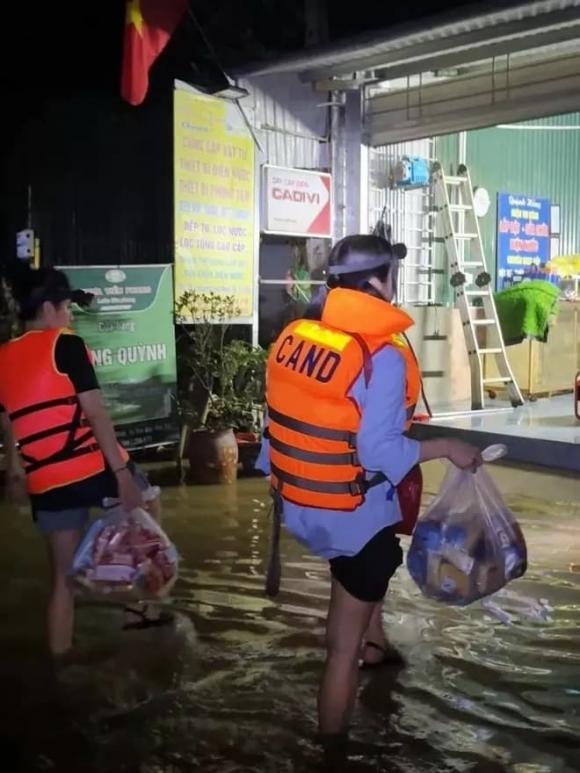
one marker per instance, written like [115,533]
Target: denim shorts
[78,517]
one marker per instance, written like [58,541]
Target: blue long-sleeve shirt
[381,447]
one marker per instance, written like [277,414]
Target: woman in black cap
[60,443]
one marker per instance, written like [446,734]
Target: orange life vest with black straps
[313,421]
[54,437]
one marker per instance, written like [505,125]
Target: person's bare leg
[347,621]
[62,546]
[375,635]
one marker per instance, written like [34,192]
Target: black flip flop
[390,658]
[164,618]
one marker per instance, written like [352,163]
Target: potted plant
[221,384]
[248,400]
[8,329]
[8,314]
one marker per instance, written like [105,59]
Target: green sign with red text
[129,328]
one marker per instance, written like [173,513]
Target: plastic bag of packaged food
[467,544]
[125,556]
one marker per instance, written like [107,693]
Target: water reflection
[233,686]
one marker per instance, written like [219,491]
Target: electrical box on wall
[411,171]
[25,244]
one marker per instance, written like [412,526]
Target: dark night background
[99,171]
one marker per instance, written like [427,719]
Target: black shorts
[366,575]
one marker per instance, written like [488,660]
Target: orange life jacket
[313,421]
[54,437]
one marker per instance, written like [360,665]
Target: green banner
[129,328]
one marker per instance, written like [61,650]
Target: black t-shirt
[72,359]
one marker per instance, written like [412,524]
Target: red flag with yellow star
[149,25]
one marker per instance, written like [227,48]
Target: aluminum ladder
[471,283]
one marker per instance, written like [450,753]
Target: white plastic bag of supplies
[467,544]
[125,556]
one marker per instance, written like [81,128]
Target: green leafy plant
[222,381]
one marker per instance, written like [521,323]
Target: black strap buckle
[357,487]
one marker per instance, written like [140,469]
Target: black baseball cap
[52,285]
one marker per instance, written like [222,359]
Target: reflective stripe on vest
[315,457]
[354,488]
[326,433]
[357,487]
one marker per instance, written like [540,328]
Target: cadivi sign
[296,202]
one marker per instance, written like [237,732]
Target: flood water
[232,686]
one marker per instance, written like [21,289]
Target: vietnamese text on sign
[214,200]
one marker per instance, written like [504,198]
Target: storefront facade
[430,93]
[292,134]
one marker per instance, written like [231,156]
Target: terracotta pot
[247,437]
[213,456]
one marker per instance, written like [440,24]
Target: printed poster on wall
[129,329]
[523,236]
[296,202]
[214,205]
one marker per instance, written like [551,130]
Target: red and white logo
[297,202]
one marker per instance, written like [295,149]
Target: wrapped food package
[126,555]
[467,544]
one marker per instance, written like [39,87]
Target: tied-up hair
[355,260]
[31,288]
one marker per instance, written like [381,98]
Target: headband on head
[357,263]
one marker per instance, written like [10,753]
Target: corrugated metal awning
[481,31]
[486,96]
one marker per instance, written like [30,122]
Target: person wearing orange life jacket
[341,388]
[60,444]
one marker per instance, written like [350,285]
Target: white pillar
[349,166]
[356,165]
[462,149]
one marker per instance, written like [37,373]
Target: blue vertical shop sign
[523,236]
